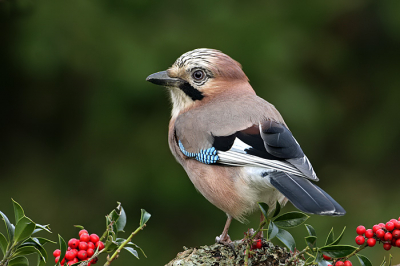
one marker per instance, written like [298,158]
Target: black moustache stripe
[191,92]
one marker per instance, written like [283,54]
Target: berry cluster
[80,250]
[388,234]
[339,262]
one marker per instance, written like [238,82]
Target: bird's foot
[223,239]
[226,241]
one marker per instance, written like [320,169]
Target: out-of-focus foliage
[76,112]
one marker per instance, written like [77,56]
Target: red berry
[360,230]
[382,225]
[388,236]
[257,244]
[83,246]
[326,257]
[389,226]
[348,263]
[387,246]
[90,252]
[83,231]
[70,255]
[84,237]
[82,255]
[369,233]
[380,233]
[94,261]
[397,224]
[58,258]
[360,240]
[73,243]
[371,242]
[75,251]
[91,245]
[94,238]
[75,260]
[70,262]
[393,220]
[56,253]
[339,263]
[99,245]
[398,243]
[375,228]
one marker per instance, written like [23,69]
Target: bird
[235,146]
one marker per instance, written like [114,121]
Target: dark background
[81,128]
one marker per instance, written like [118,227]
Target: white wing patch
[237,156]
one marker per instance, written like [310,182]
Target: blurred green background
[81,128]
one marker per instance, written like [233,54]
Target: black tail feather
[304,195]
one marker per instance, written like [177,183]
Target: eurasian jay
[235,146]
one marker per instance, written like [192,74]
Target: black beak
[162,78]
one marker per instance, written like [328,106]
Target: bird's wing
[269,144]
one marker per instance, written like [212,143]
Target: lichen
[219,255]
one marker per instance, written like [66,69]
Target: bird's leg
[260,234]
[224,237]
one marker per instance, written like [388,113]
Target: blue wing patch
[208,156]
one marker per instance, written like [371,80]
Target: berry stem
[297,256]
[115,254]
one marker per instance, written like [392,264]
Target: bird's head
[198,75]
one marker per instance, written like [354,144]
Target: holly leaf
[364,261]
[329,239]
[383,262]
[311,230]
[144,218]
[287,239]
[290,219]
[132,251]
[9,227]
[26,250]
[42,241]
[24,229]
[40,227]
[19,261]
[63,248]
[273,230]
[121,222]
[338,251]
[339,238]
[264,208]
[40,261]
[18,211]
[3,244]
[277,209]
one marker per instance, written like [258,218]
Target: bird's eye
[198,75]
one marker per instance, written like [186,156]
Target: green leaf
[63,247]
[122,219]
[277,209]
[40,227]
[329,239]
[9,226]
[79,226]
[18,261]
[287,239]
[26,250]
[264,208]
[24,229]
[3,244]
[39,247]
[18,211]
[311,242]
[291,219]
[145,216]
[339,238]
[338,251]
[311,230]
[364,261]
[390,259]
[40,261]
[273,230]
[42,241]
[132,251]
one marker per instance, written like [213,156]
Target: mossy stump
[219,255]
